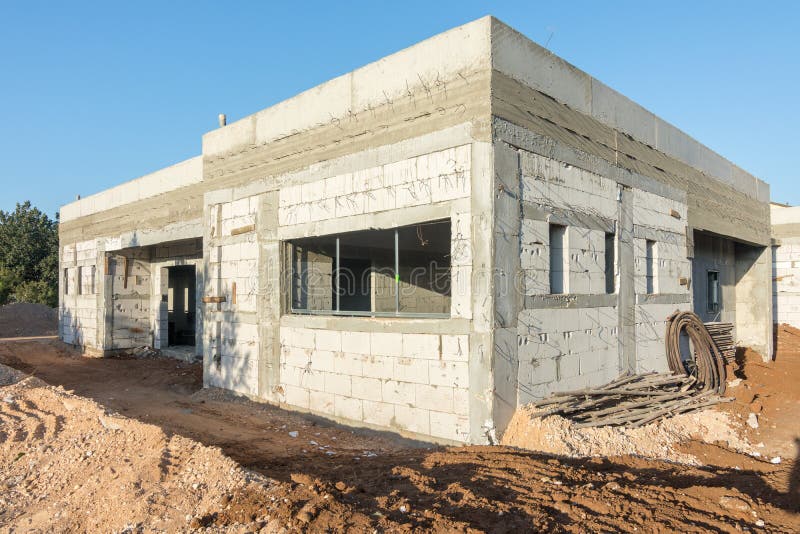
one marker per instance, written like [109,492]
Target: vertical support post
[396,271]
[336,275]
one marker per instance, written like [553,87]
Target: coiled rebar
[705,363]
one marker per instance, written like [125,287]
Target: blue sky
[96,93]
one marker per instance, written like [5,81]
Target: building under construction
[425,243]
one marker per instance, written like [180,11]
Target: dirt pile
[767,396]
[68,465]
[22,319]
[557,435]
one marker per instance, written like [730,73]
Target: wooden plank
[214,300]
[243,229]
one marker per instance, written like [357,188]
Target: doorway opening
[181,306]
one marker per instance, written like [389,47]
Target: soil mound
[22,319]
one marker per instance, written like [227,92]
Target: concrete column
[754,327]
[270,294]
[481,358]
[626,294]
[508,298]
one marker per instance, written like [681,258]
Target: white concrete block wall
[786,282]
[650,327]
[670,264]
[562,349]
[551,183]
[232,263]
[430,178]
[586,252]
[416,383]
[78,310]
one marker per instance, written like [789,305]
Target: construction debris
[722,334]
[634,400]
[631,400]
[705,362]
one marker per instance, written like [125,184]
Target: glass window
[397,272]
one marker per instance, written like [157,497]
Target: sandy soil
[24,319]
[135,445]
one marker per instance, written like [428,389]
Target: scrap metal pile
[697,381]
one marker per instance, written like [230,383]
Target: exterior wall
[170,255]
[786,281]
[81,311]
[586,337]
[412,380]
[661,220]
[231,271]
[417,383]
[128,318]
[571,340]
[786,264]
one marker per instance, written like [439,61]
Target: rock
[293,434]
[108,423]
[775,460]
[752,420]
[735,382]
[734,503]
[756,406]
[760,523]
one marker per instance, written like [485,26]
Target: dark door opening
[181,305]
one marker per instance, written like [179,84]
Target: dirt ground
[129,445]
[24,319]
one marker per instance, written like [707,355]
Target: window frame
[651,266]
[610,260]
[336,304]
[718,301]
[562,230]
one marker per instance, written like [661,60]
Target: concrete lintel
[386,219]
[657,234]
[785,230]
[565,217]
[663,298]
[458,135]
[570,301]
[230,317]
[403,325]
[174,232]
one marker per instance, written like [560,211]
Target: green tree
[28,256]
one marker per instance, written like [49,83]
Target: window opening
[650,253]
[397,272]
[610,257]
[557,259]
